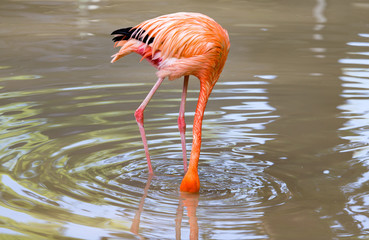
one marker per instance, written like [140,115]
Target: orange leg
[182,123]
[140,121]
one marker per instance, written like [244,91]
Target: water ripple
[78,156]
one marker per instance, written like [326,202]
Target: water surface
[285,151]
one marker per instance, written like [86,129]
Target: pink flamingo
[179,44]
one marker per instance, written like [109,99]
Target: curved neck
[205,90]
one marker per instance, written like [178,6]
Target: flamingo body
[179,44]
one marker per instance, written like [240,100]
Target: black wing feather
[127,33]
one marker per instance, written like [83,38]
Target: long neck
[205,90]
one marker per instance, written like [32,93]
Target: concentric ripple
[75,161]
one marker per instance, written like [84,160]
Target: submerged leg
[139,119]
[182,123]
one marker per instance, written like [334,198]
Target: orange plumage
[179,44]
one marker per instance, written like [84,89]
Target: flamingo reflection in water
[188,200]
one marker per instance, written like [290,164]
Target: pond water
[285,151]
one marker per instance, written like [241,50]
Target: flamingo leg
[140,120]
[182,123]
